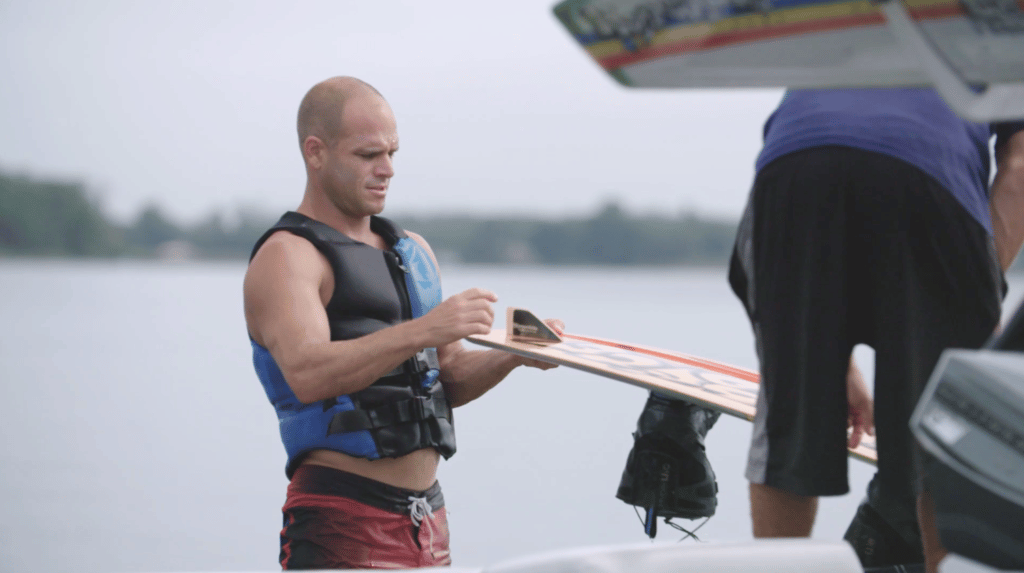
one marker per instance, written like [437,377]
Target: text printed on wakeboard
[632,364]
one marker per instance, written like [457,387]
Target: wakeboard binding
[667,472]
[884,531]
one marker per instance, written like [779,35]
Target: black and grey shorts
[839,247]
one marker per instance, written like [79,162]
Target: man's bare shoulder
[286,270]
[284,258]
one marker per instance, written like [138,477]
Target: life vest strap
[415,409]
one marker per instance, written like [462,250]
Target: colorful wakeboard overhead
[728,389]
[955,45]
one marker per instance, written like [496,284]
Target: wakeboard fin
[524,326]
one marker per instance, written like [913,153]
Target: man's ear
[313,150]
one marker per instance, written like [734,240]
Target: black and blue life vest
[405,410]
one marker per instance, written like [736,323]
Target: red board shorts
[338,520]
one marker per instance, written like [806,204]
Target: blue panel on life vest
[422,279]
[304,426]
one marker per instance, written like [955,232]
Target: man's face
[358,167]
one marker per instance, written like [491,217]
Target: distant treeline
[61,219]
[609,237]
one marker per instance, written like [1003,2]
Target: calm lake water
[136,437]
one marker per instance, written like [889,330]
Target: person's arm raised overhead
[1007,199]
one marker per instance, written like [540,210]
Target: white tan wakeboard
[728,389]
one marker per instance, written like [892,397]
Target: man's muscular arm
[284,308]
[469,374]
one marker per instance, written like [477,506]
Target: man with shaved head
[320,111]
[357,352]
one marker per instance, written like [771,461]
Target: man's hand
[468,374]
[861,409]
[559,327]
[459,316]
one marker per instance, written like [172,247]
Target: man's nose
[385,167]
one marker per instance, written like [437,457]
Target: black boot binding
[667,472]
[884,532]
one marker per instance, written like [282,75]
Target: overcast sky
[192,104]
